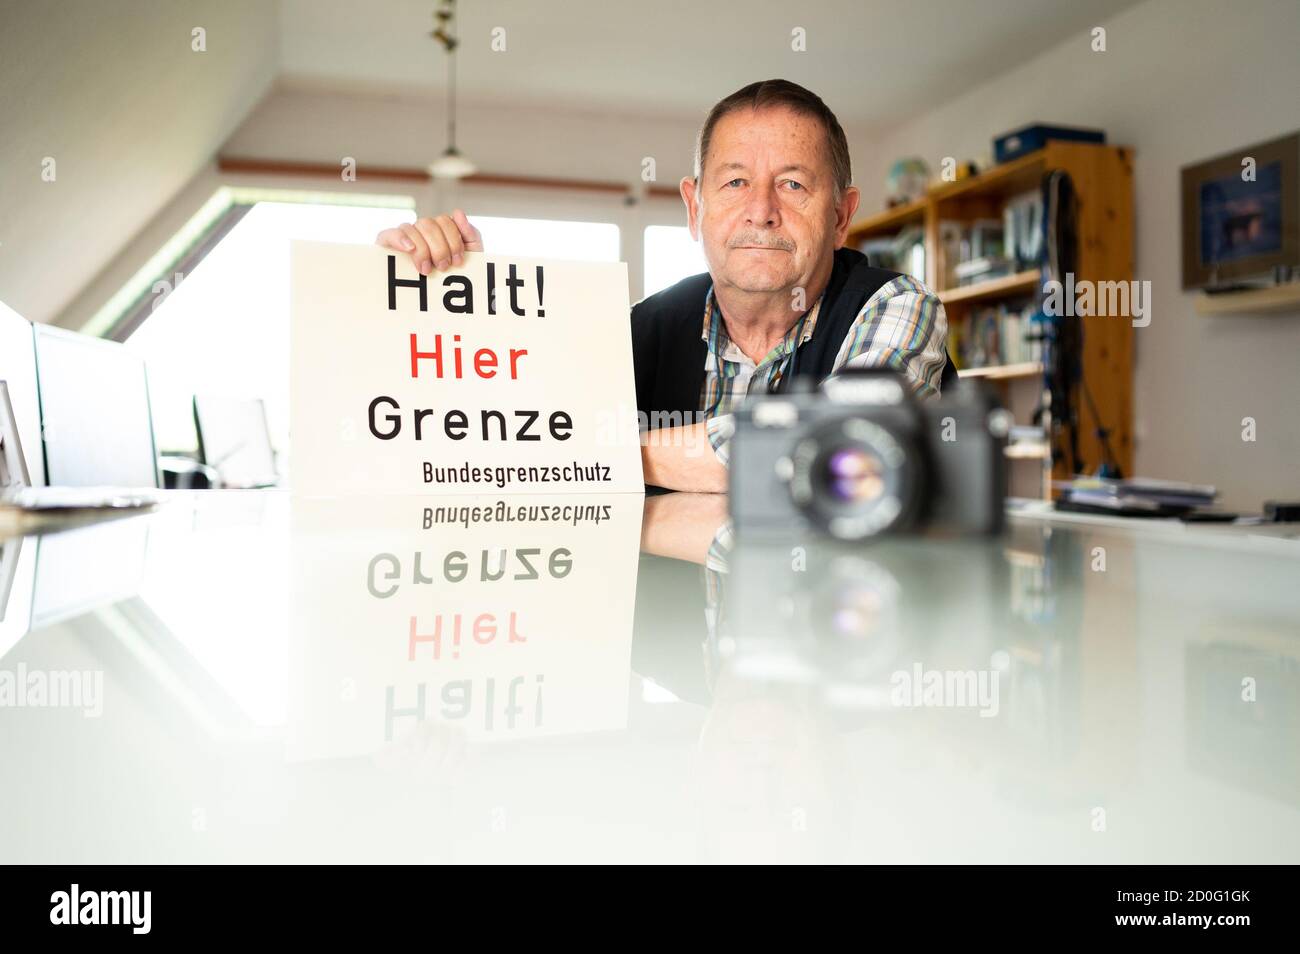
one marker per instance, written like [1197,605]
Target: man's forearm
[681,458]
[682,526]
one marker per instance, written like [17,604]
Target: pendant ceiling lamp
[451,164]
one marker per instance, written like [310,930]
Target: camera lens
[854,615]
[856,477]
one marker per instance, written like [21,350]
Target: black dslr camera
[862,457]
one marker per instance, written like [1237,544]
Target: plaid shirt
[902,326]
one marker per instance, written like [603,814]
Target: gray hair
[779,92]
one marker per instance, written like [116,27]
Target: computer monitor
[95,419]
[18,371]
[235,440]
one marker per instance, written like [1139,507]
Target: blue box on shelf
[1035,136]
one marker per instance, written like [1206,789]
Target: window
[547,238]
[670,255]
[224,327]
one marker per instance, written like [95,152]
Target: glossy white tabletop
[247,677]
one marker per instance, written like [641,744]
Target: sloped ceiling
[112,91]
[874,61]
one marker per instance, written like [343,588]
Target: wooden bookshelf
[1028,452]
[1003,372]
[891,220]
[1103,181]
[1021,283]
[1008,179]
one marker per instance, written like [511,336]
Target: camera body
[861,457]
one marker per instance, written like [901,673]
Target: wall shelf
[1001,372]
[1009,178]
[1028,452]
[891,220]
[1253,301]
[1021,283]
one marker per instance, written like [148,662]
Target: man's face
[765,208]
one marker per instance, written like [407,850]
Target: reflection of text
[482,631]
[502,512]
[384,574]
[499,706]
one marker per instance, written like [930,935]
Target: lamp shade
[451,165]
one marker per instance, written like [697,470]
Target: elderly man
[770,202]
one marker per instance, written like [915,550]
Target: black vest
[668,353]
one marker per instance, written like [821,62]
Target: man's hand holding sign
[439,243]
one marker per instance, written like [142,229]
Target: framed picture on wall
[1241,213]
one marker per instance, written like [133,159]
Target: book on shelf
[996,335]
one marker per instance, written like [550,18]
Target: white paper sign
[505,375]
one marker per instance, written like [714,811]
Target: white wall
[1181,81]
[128,111]
[404,130]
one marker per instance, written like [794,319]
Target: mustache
[761,240]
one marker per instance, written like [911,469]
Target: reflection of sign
[492,618]
[500,376]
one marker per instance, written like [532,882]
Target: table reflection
[619,677]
